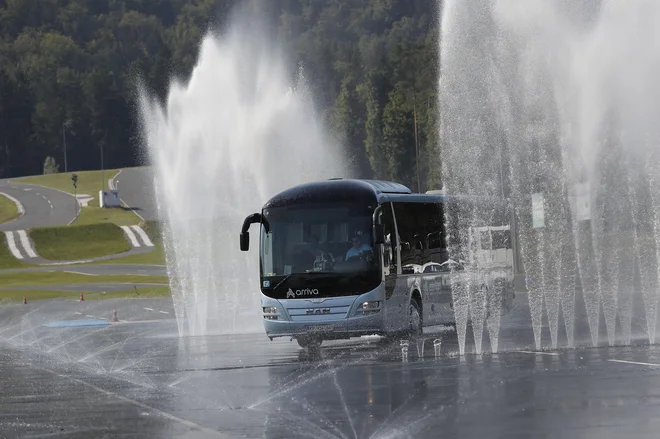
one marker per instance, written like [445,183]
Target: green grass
[36,294]
[68,243]
[7,260]
[90,183]
[8,210]
[37,278]
[154,257]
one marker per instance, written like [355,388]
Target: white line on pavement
[143,235]
[554,354]
[11,242]
[149,309]
[163,312]
[131,236]
[639,363]
[80,272]
[27,246]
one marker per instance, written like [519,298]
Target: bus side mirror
[245,235]
[378,234]
[245,241]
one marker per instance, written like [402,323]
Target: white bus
[346,258]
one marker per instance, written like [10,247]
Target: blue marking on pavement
[71,323]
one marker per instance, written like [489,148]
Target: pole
[419,185]
[75,195]
[102,170]
[66,169]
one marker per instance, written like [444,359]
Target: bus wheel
[309,342]
[415,318]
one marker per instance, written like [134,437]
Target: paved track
[137,378]
[100,269]
[43,207]
[136,189]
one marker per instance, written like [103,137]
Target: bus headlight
[270,312]
[370,307]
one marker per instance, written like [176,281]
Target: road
[137,378]
[43,207]
[136,189]
[100,269]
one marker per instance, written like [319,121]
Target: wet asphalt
[136,378]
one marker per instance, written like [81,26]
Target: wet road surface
[137,378]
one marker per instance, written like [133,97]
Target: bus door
[396,295]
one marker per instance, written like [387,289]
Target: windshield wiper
[282,281]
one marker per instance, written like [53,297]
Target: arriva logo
[305,292]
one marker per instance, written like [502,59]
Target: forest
[69,71]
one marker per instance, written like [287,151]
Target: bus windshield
[317,238]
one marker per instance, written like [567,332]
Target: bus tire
[415,322]
[309,342]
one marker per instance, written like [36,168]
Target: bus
[346,258]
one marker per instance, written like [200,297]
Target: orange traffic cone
[114,314]
[82,298]
[24,300]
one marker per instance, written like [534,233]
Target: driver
[358,248]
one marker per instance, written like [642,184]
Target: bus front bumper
[327,329]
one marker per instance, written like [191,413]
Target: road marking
[27,189]
[89,316]
[163,312]
[11,242]
[80,272]
[554,354]
[19,206]
[143,235]
[27,245]
[142,405]
[79,313]
[131,236]
[639,363]
[149,309]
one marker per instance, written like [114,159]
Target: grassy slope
[155,257]
[89,182]
[8,210]
[67,243]
[7,260]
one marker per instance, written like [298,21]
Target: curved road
[136,189]
[43,206]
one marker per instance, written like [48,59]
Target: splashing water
[236,133]
[560,98]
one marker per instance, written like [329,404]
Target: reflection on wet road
[137,378]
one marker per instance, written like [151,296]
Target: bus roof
[354,190]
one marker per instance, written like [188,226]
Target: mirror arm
[254,218]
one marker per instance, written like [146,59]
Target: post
[64,142]
[74,178]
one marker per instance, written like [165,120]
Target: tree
[50,166]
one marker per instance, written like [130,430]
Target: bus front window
[317,239]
